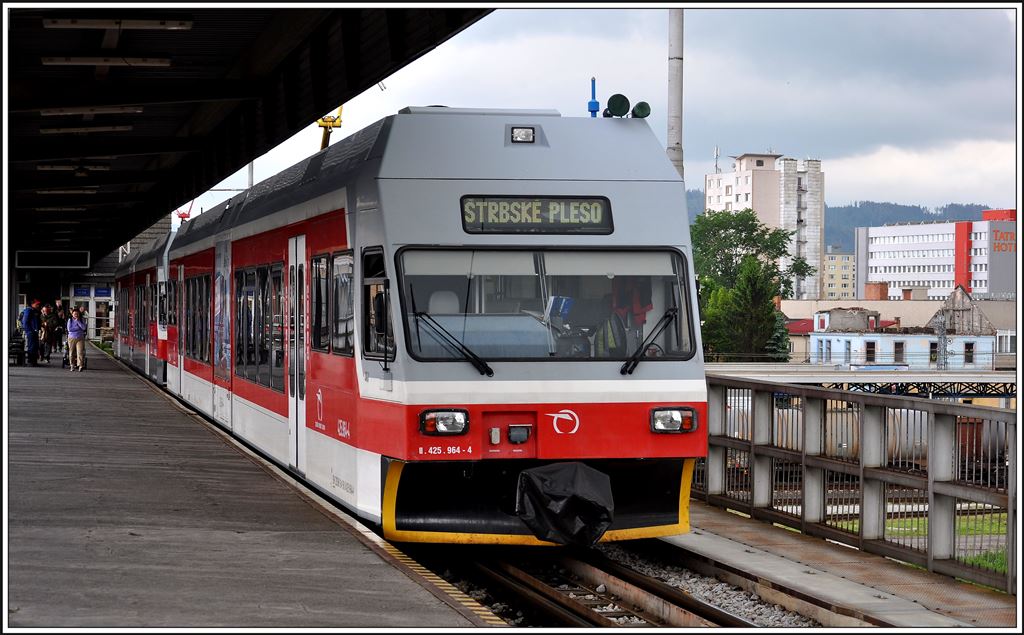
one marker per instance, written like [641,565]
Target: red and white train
[469,326]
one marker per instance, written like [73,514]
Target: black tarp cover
[565,503]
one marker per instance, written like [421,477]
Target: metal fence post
[715,465]
[872,454]
[762,416]
[813,503]
[1011,507]
[941,508]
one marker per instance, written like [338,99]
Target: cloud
[853,87]
[981,172]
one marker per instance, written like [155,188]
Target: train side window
[172,304]
[378,336]
[190,318]
[239,324]
[162,304]
[196,320]
[262,321]
[319,304]
[343,318]
[249,314]
[204,322]
[276,329]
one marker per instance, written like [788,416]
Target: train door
[147,303]
[222,398]
[179,306]
[297,352]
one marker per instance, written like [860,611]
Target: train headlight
[673,420]
[442,422]
[522,135]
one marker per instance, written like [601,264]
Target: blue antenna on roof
[592,105]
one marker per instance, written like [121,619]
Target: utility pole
[943,347]
[675,89]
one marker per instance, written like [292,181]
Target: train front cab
[558,414]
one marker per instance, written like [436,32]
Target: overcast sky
[911,106]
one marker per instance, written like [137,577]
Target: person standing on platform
[30,324]
[49,334]
[76,341]
[62,314]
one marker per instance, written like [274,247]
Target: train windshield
[531,305]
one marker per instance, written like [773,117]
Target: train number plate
[445,450]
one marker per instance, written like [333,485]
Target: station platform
[126,511]
[864,588]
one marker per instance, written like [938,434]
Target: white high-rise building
[785,194]
[929,260]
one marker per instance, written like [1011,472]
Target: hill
[841,221]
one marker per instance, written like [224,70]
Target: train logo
[567,415]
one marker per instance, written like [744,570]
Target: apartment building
[929,260]
[838,274]
[785,194]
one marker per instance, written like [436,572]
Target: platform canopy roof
[118,116]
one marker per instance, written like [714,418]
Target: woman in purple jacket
[77,329]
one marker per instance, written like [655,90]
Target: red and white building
[926,261]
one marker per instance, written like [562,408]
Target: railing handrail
[870,399]
[836,472]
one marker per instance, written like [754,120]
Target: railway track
[590,590]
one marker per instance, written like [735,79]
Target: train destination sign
[536,215]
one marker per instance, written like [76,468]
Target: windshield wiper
[630,364]
[469,355]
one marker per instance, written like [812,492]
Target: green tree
[716,331]
[778,344]
[752,314]
[721,239]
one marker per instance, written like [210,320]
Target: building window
[899,352]
[828,350]
[968,352]
[760,163]
[869,352]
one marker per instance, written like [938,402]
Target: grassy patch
[990,560]
[967,525]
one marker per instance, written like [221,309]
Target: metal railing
[928,482]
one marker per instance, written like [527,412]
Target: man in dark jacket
[30,324]
[50,334]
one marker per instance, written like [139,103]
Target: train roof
[202,226]
[126,266]
[152,254]
[436,142]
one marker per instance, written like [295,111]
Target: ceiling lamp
[106,60]
[68,168]
[85,129]
[92,110]
[124,25]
